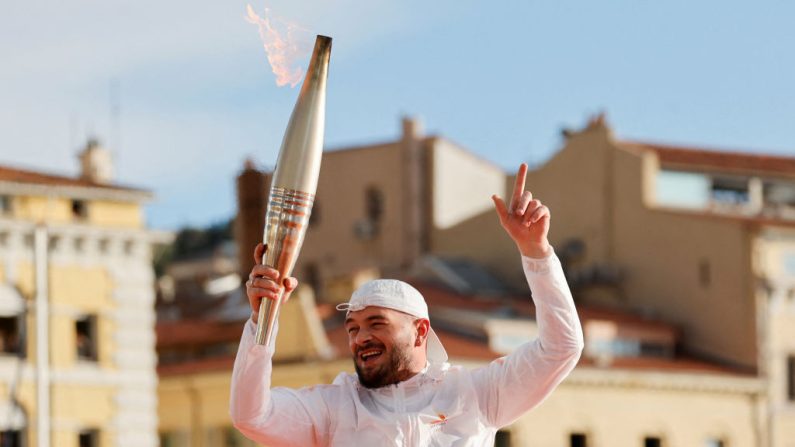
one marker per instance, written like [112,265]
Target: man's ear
[423,326]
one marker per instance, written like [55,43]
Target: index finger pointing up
[518,187]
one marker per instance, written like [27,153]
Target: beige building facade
[384,206]
[700,238]
[624,408]
[774,253]
[77,366]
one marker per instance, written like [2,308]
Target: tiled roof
[223,363]
[522,306]
[717,159]
[16,175]
[444,297]
[196,332]
[459,347]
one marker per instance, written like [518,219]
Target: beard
[394,367]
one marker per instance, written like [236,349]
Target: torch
[294,182]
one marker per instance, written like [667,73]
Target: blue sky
[501,78]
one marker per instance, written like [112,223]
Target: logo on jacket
[441,420]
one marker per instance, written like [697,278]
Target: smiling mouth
[369,356]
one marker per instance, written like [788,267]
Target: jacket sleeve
[278,416]
[512,385]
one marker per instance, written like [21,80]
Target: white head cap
[397,295]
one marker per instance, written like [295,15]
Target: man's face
[382,344]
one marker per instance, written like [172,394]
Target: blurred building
[77,360]
[701,238]
[677,258]
[387,206]
[400,205]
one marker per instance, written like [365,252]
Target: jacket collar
[433,372]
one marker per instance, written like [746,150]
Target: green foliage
[191,242]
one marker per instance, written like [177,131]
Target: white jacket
[442,406]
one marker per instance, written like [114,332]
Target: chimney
[252,196]
[415,192]
[412,128]
[95,163]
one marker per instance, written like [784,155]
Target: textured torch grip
[285,227]
[266,321]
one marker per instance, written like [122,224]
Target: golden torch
[295,181]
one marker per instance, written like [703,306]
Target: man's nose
[362,336]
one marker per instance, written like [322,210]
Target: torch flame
[283,48]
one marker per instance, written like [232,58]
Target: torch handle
[266,321]
[285,226]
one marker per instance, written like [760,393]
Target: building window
[502,439]
[54,243]
[11,336]
[779,199]
[79,209]
[104,246]
[683,189]
[374,204]
[129,247]
[174,439]
[88,438]
[791,378]
[656,349]
[369,227]
[86,338]
[578,440]
[80,246]
[5,205]
[11,438]
[730,191]
[652,441]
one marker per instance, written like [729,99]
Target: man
[404,392]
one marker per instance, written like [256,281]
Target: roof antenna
[114,102]
[74,132]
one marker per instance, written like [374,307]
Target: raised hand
[526,220]
[263,282]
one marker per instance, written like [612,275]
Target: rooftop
[26,176]
[720,160]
